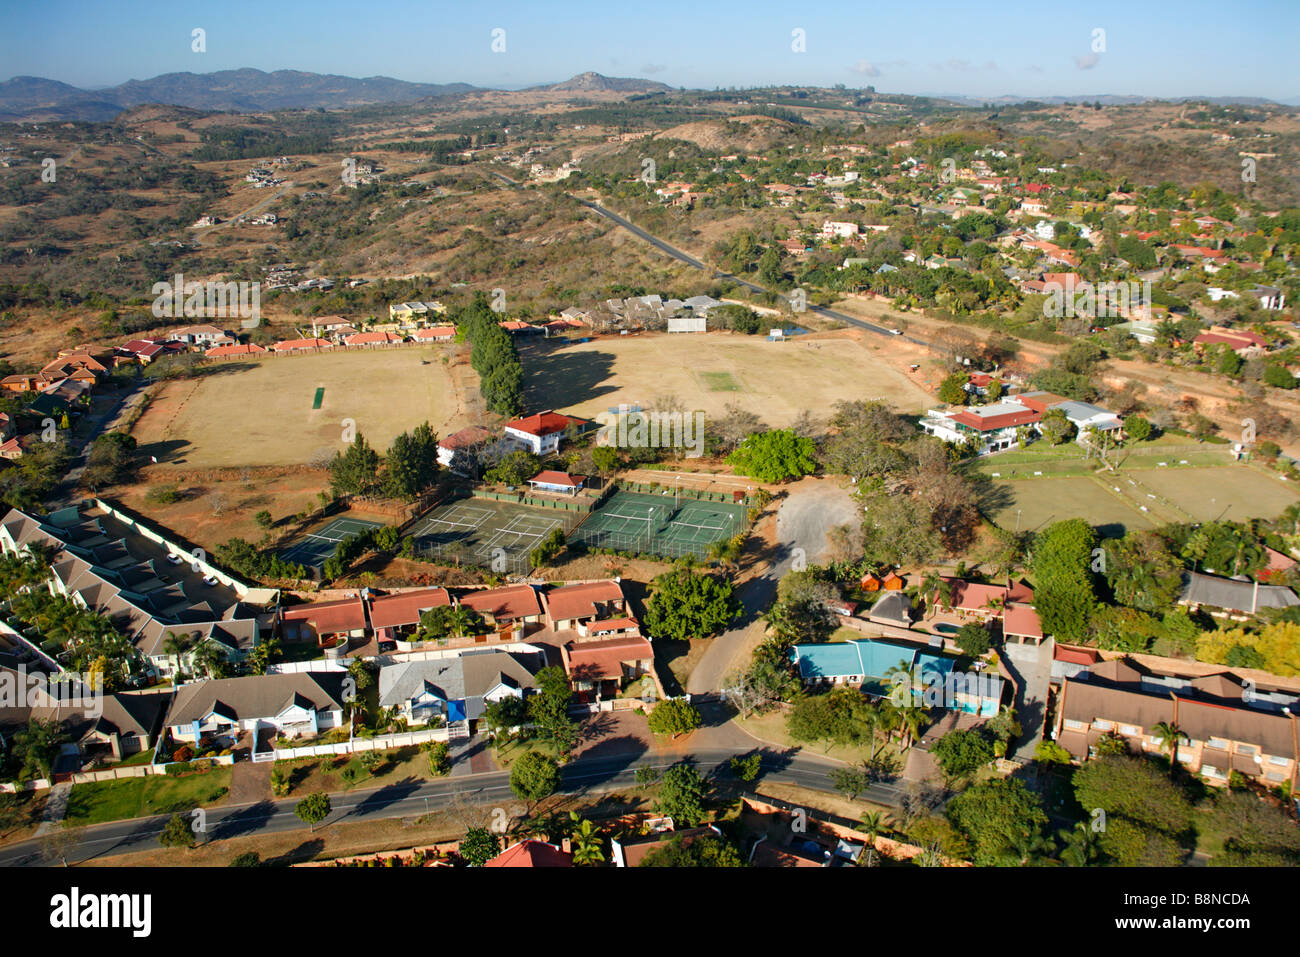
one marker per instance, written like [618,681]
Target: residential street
[415,798]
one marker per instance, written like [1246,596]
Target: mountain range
[36,99]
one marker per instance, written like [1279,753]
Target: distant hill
[241,91]
[1105,99]
[595,82]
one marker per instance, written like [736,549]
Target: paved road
[691,261]
[415,798]
[811,509]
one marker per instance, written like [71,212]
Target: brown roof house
[293,705]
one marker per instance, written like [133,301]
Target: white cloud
[865,68]
[1086,62]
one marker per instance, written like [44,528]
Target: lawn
[1233,492]
[1031,504]
[770,727]
[265,412]
[310,775]
[102,801]
[776,380]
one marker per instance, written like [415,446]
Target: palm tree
[1170,736]
[910,722]
[886,720]
[873,825]
[588,845]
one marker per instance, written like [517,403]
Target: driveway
[811,508]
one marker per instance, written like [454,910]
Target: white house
[294,705]
[834,230]
[540,433]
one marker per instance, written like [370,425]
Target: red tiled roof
[543,423]
[372,338]
[435,332]
[221,352]
[974,596]
[392,611]
[990,423]
[290,345]
[329,617]
[551,477]
[465,437]
[580,601]
[1018,619]
[504,604]
[612,624]
[604,659]
[1076,656]
[531,853]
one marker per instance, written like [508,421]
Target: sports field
[651,524]
[479,531]
[315,547]
[292,410]
[1142,498]
[776,380]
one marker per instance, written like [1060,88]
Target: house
[327,623]
[983,601]
[540,433]
[834,230]
[1226,728]
[532,853]
[1245,344]
[434,334]
[1228,597]
[604,667]
[560,483]
[106,559]
[456,451]
[373,339]
[239,351]
[202,336]
[406,311]
[397,616]
[882,668]
[11,449]
[1020,622]
[457,687]
[632,853]
[289,346]
[570,606]
[893,608]
[293,705]
[513,607]
[992,427]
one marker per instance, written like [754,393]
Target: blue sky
[1195,47]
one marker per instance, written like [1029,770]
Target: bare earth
[260,413]
[776,380]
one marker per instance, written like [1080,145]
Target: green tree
[1057,428]
[704,850]
[534,777]
[515,468]
[313,809]
[961,753]
[1064,596]
[746,769]
[952,390]
[247,859]
[412,463]
[478,846]
[973,639]
[354,471]
[1002,819]
[685,604]
[674,716]
[37,745]
[682,791]
[588,845]
[774,456]
[1138,428]
[177,832]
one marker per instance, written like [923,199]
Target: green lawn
[103,801]
[720,381]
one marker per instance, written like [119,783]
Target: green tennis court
[315,547]
[660,524]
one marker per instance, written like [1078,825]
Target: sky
[1148,47]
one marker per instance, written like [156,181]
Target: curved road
[415,798]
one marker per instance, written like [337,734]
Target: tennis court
[660,524]
[315,547]
[480,531]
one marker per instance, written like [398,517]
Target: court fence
[654,538]
[681,492]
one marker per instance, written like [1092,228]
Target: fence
[110,774]
[521,498]
[380,743]
[682,492]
